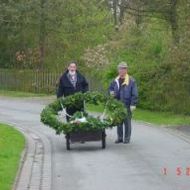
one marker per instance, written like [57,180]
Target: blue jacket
[128,94]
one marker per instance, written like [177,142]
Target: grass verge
[158,118]
[11,146]
[10,93]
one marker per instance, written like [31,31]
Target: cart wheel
[68,142]
[103,140]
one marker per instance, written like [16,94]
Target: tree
[140,9]
[47,33]
[42,33]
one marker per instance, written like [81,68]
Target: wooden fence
[36,81]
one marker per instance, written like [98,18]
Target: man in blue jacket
[124,88]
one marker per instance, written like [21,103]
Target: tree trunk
[115,5]
[122,11]
[42,34]
[138,16]
[173,21]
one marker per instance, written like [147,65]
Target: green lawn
[161,118]
[11,145]
[158,118]
[19,94]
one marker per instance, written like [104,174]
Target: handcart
[85,136]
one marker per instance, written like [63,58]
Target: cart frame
[85,136]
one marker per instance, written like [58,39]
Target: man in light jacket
[124,88]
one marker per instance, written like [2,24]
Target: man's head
[72,68]
[122,69]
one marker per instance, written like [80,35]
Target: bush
[161,68]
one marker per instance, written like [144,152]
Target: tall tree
[161,9]
[42,32]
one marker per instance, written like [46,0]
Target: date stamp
[178,171]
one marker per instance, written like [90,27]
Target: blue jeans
[126,125]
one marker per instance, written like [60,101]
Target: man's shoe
[118,141]
[126,141]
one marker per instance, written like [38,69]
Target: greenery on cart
[114,113]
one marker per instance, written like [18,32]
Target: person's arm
[134,94]
[60,90]
[112,89]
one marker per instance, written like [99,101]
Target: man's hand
[132,108]
[112,93]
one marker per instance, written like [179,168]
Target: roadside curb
[178,134]
[35,165]
[171,130]
[22,159]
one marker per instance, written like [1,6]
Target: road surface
[156,159]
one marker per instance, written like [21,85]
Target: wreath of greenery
[115,112]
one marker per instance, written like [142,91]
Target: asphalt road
[46,165]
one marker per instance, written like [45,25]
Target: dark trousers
[72,111]
[126,126]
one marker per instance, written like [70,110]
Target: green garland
[116,112]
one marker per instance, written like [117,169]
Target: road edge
[22,159]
